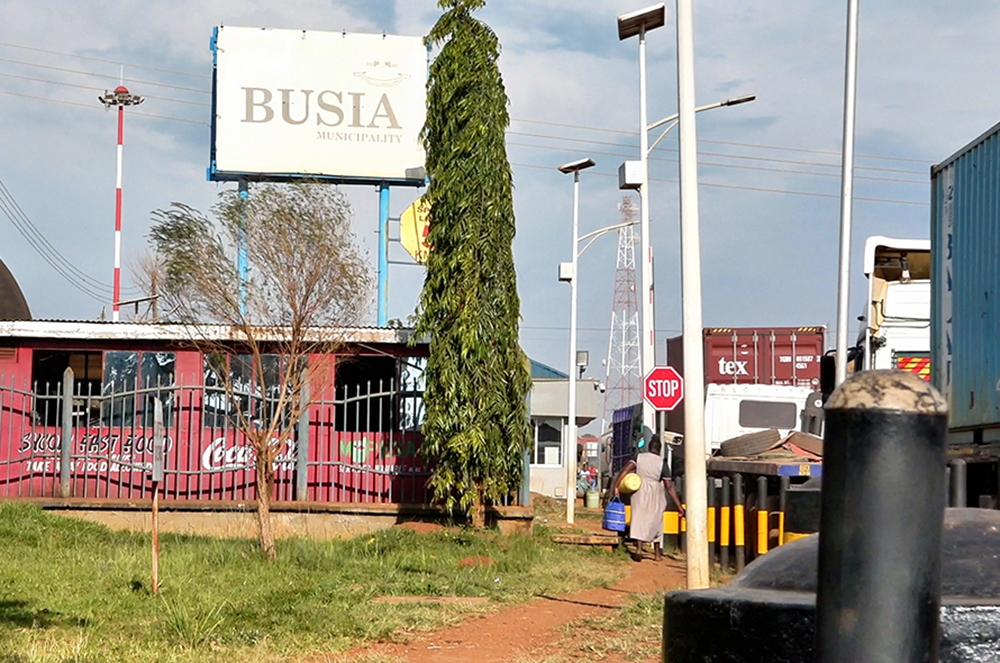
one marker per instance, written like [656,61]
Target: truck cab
[896,331]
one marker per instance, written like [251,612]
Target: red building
[91,437]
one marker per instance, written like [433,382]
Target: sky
[769,171]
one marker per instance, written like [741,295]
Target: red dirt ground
[529,631]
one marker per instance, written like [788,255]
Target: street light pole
[570,454]
[695,480]
[629,25]
[847,190]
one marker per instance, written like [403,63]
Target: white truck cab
[736,409]
[896,332]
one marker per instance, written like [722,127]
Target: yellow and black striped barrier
[762,521]
[739,522]
[711,520]
[724,524]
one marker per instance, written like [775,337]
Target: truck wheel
[750,444]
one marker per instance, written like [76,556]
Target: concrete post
[302,444]
[881,520]
[66,438]
[959,495]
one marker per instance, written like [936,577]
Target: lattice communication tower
[623,375]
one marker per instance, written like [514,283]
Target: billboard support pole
[383,253]
[241,256]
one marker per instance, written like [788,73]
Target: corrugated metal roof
[94,330]
[540,370]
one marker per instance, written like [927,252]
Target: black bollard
[881,520]
[724,511]
[947,486]
[762,516]
[959,495]
[739,523]
[782,502]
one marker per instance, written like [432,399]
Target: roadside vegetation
[73,591]
[632,633]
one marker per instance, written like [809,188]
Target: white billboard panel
[323,104]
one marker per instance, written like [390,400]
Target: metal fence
[356,444]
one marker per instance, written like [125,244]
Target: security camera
[601,387]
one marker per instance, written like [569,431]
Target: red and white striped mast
[121,97]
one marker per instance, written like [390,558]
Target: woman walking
[650,501]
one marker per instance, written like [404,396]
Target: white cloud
[925,89]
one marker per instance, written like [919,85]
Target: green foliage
[633,632]
[76,591]
[477,377]
[192,628]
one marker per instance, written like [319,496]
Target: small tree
[476,428]
[307,279]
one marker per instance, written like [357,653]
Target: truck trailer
[965,315]
[756,378]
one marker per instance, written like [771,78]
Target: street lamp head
[631,24]
[736,101]
[576,166]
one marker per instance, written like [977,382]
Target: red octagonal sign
[663,388]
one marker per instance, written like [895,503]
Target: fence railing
[358,444]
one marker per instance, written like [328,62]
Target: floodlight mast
[121,98]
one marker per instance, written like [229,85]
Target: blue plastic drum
[614,516]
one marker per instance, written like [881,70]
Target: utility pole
[695,479]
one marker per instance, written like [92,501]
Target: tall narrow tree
[477,377]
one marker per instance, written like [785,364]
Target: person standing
[650,501]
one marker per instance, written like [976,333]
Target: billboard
[303,103]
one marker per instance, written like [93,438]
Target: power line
[632,133]
[725,165]
[96,107]
[87,284]
[98,89]
[746,188]
[727,142]
[95,59]
[47,258]
[718,154]
[25,63]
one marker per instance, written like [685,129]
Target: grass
[73,591]
[550,510]
[632,633]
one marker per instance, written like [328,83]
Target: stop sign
[663,388]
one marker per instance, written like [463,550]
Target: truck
[897,310]
[965,315]
[756,378]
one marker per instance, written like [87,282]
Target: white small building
[549,410]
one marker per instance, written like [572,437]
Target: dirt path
[528,632]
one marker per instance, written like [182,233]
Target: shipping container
[965,285]
[787,356]
[764,356]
